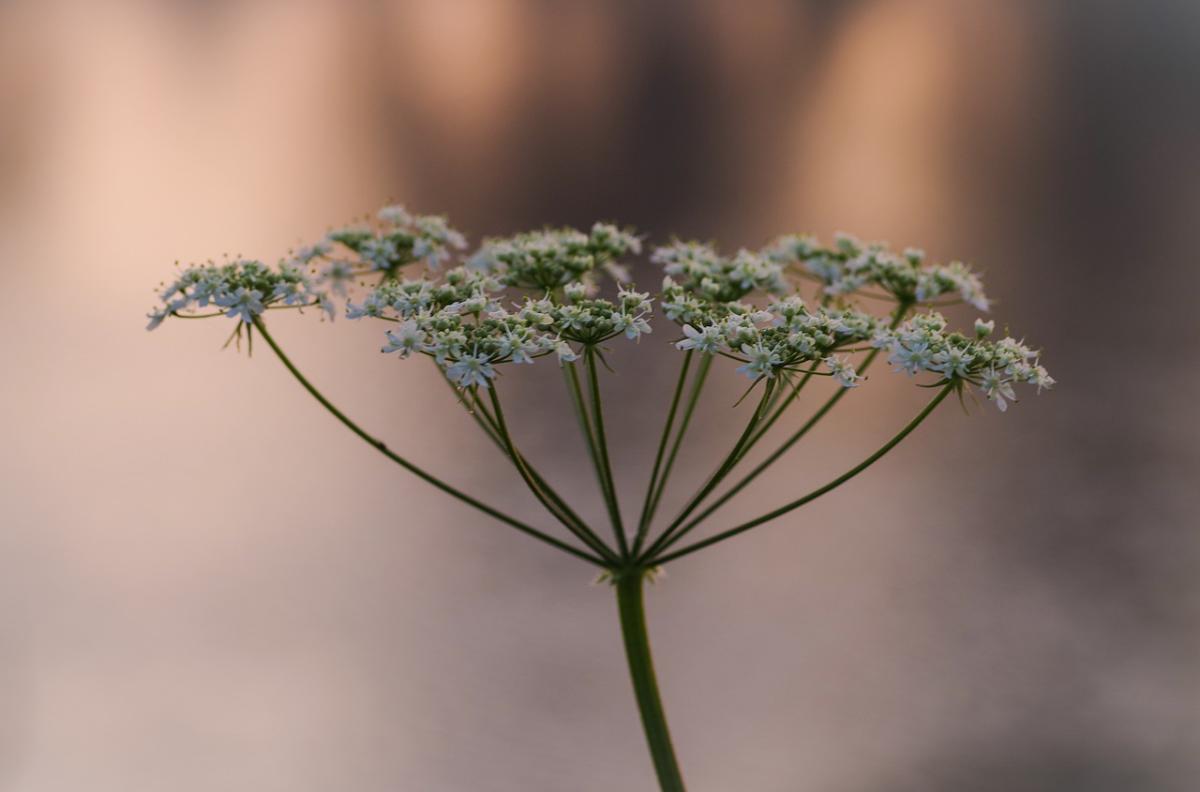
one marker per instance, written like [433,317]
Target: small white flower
[374,305]
[338,274]
[635,327]
[842,371]
[564,352]
[243,304]
[984,329]
[634,301]
[406,339]
[292,293]
[326,304]
[997,389]
[911,358]
[156,317]
[762,361]
[396,215]
[519,347]
[306,254]
[1041,378]
[575,292]
[952,362]
[708,340]
[470,370]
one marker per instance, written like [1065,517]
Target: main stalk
[629,585]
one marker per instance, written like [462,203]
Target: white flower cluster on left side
[314,275]
[241,289]
[455,315]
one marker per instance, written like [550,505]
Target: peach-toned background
[206,584]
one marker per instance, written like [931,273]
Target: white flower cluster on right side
[852,265]
[922,344]
[781,337]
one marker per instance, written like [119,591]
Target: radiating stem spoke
[693,399]
[662,557]
[897,318]
[410,467]
[609,486]
[644,520]
[715,479]
[553,504]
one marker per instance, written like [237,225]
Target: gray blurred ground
[205,584]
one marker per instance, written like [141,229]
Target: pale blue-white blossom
[471,370]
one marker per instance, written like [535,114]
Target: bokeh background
[207,584]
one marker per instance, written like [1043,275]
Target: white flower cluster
[315,274]
[402,239]
[782,337]
[736,307]
[852,265]
[552,258]
[460,323]
[242,289]
[922,344]
[700,274]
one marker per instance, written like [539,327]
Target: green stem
[717,477]
[473,409]
[379,446]
[897,317]
[488,423]
[693,399]
[837,482]
[557,508]
[610,488]
[585,422]
[793,393]
[644,520]
[645,686]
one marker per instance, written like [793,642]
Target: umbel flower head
[792,312]
[520,298]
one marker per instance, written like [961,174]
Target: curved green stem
[487,423]
[693,399]
[382,448]
[494,432]
[796,436]
[553,504]
[666,537]
[571,376]
[610,487]
[644,520]
[631,607]
[793,393]
[837,482]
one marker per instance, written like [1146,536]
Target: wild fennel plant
[542,294]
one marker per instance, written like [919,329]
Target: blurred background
[207,584]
